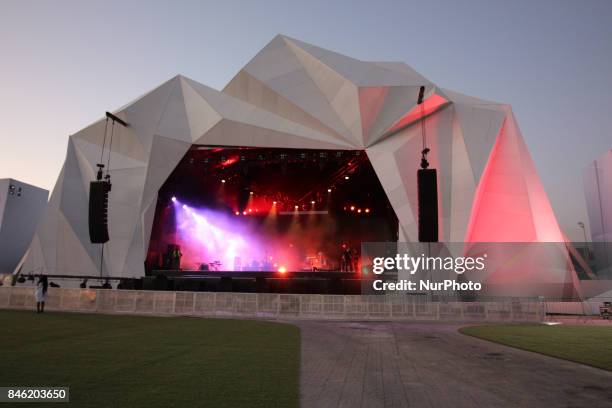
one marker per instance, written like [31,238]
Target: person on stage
[345,258]
[176,258]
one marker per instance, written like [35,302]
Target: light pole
[581,225]
[586,246]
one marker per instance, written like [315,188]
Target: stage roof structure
[297,95]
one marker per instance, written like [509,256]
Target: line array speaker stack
[98,211]
[427,182]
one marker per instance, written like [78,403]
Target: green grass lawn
[135,361]
[590,345]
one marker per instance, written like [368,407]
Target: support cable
[423,133]
[104,141]
[110,146]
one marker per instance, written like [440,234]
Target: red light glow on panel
[511,206]
[431,105]
[501,211]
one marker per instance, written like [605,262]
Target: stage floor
[304,282]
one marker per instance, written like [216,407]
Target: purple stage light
[173,199]
[207,236]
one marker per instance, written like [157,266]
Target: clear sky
[63,63]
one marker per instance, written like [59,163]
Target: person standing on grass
[41,293]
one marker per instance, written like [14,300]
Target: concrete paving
[414,364]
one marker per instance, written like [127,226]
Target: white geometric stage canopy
[296,95]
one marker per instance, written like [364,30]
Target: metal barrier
[272,306]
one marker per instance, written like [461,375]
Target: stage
[305,282]
[268,214]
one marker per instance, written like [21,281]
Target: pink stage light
[207,235]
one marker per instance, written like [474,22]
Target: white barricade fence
[280,306]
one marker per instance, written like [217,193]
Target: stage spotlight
[237,212]
[174,199]
[329,190]
[296,207]
[184,206]
[346,177]
[244,213]
[223,181]
[312,202]
[359,210]
[367,210]
[251,193]
[250,210]
[273,202]
[282,270]
[352,208]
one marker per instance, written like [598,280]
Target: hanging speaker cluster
[99,189]
[98,211]
[427,186]
[427,182]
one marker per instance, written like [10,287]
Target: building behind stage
[21,206]
[598,194]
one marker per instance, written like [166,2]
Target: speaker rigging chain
[110,146]
[424,135]
[104,140]
[426,150]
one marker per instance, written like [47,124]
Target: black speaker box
[98,211]
[427,182]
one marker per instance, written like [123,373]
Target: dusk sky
[64,63]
